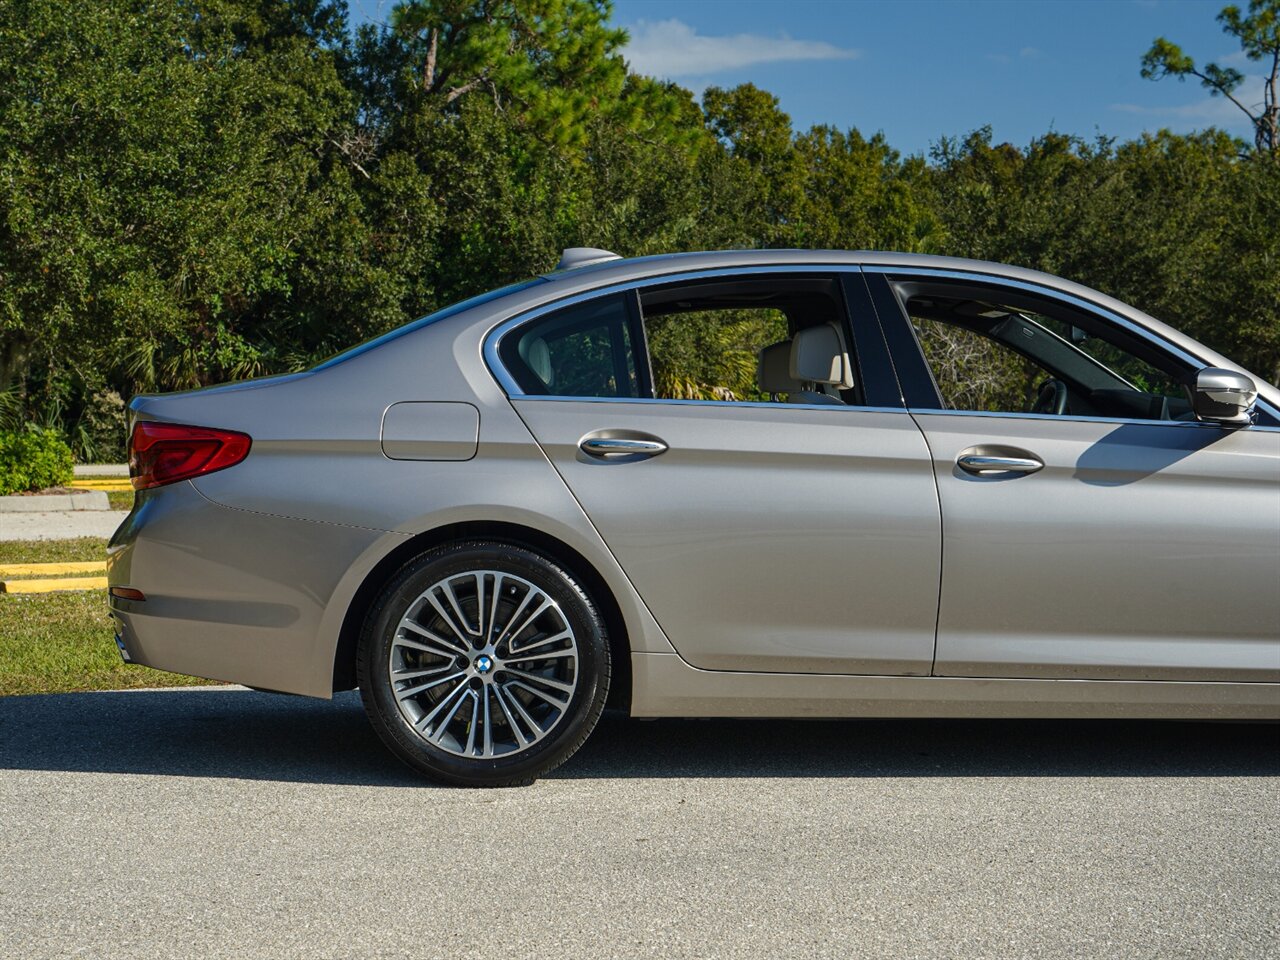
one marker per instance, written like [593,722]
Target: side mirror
[1223,396]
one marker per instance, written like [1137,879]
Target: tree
[553,63]
[156,191]
[1259,36]
[757,134]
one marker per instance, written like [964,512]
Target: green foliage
[553,61]
[33,459]
[1176,225]
[196,192]
[711,354]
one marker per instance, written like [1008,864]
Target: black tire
[570,726]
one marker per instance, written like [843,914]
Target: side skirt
[663,685]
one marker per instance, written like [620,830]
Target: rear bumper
[230,594]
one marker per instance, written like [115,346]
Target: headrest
[818,355]
[773,371]
[537,357]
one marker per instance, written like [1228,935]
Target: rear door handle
[621,448]
[980,464]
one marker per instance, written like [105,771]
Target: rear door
[764,535]
[1111,536]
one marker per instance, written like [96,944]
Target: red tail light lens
[161,453]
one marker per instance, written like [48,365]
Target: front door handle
[617,449]
[983,464]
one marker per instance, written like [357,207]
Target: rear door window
[587,350]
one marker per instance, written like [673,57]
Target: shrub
[33,459]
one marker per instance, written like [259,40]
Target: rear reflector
[161,453]
[127,593]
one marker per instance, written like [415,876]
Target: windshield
[418,324]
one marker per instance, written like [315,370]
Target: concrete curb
[56,502]
[60,525]
[102,469]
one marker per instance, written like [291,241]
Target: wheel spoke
[501,697]
[538,678]
[447,588]
[471,732]
[493,607]
[549,655]
[447,617]
[543,607]
[443,726]
[534,727]
[541,694]
[524,648]
[487,749]
[423,687]
[524,602]
[426,719]
[444,643]
[479,577]
[415,674]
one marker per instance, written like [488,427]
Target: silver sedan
[769,483]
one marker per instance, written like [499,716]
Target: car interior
[812,365]
[1081,366]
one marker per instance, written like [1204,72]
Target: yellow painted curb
[49,586]
[52,569]
[109,484]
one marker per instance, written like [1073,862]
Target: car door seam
[596,530]
[942,542]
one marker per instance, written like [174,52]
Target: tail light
[161,453]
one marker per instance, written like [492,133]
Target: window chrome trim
[757,404]
[1071,418]
[495,334]
[1137,329]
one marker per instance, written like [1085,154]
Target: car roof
[621,270]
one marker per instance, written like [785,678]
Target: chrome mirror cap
[1224,396]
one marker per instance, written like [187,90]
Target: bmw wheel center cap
[484,663]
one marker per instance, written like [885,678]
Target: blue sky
[921,69]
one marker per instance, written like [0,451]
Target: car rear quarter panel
[315,507]
[231,594]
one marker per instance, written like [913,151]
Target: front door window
[990,351]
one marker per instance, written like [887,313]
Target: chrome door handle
[616,448]
[979,464]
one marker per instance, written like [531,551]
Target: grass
[64,642]
[52,551]
[120,499]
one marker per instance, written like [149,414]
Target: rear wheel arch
[344,660]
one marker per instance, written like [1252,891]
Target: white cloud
[1207,109]
[672,48]
[1026,53]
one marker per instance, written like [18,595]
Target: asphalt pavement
[228,823]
